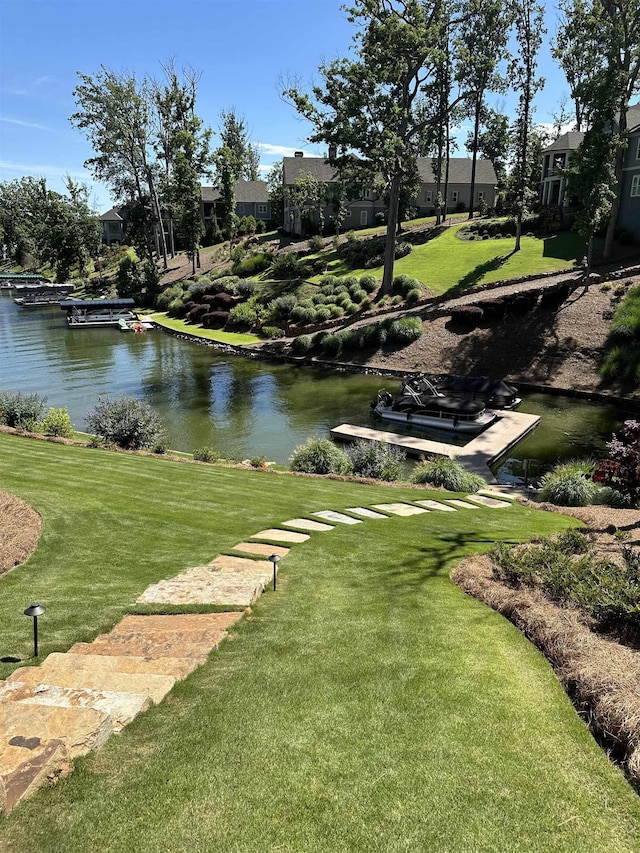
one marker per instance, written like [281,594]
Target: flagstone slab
[134,665]
[26,767]
[436,505]
[215,624]
[262,549]
[242,565]
[462,504]
[308,524]
[281,535]
[204,586]
[121,707]
[338,517]
[501,496]
[401,509]
[79,729]
[158,647]
[365,513]
[155,687]
[484,500]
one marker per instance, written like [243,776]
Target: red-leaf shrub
[621,471]
[467,315]
[215,319]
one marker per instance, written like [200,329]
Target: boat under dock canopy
[85,313]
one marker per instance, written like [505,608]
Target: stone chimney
[333,153]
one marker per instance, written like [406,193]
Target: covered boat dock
[86,313]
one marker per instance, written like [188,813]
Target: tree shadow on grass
[475,275]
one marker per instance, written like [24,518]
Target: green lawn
[208,334]
[448,264]
[368,705]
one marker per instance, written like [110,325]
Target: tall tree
[494,142]
[235,135]
[529,24]
[275,192]
[367,104]
[579,57]
[482,40]
[113,110]
[308,196]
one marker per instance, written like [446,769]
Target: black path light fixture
[275,559]
[35,610]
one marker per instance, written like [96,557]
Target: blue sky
[241,47]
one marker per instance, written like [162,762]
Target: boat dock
[476,455]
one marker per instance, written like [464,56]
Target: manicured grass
[448,264]
[208,334]
[367,705]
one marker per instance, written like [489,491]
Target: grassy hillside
[367,705]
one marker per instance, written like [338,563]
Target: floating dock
[476,455]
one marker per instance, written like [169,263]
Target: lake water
[240,407]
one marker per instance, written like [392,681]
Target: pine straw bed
[20,529]
[600,675]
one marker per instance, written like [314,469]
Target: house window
[428,195]
[366,194]
[638,150]
[262,208]
[454,196]
[364,217]
[635,185]
[348,214]
[480,195]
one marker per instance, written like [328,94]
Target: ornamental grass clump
[377,460]
[570,484]
[448,474]
[320,456]
[125,422]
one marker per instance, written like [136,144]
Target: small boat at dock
[495,393]
[40,295]
[91,313]
[434,411]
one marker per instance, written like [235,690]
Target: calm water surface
[239,406]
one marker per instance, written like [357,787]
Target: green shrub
[245,288]
[358,296]
[331,345]
[282,307]
[272,332]
[447,473]
[303,315]
[376,459]
[258,461]
[320,456]
[164,299]
[316,243]
[125,422]
[57,422]
[302,344]
[287,266]
[336,311]
[322,314]
[206,454]
[243,315]
[253,264]
[572,542]
[21,411]
[176,308]
[369,283]
[569,484]
[404,331]
[413,296]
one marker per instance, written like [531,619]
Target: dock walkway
[476,455]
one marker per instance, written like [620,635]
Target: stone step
[177,667]
[486,500]
[26,764]
[216,623]
[121,707]
[308,524]
[79,729]
[278,535]
[400,509]
[262,549]
[461,504]
[142,646]
[205,585]
[436,505]
[337,517]
[155,687]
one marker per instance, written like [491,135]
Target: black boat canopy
[69,304]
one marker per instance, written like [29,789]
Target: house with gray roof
[556,157]
[252,199]
[113,227]
[362,211]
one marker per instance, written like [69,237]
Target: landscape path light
[275,559]
[35,610]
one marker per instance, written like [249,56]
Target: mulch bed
[600,675]
[20,529]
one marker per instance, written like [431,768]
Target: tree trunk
[615,204]
[156,204]
[474,156]
[390,245]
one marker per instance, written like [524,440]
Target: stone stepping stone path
[436,505]
[462,504]
[501,496]
[338,517]
[71,703]
[483,500]
[259,548]
[401,509]
[365,513]
[281,535]
[308,524]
